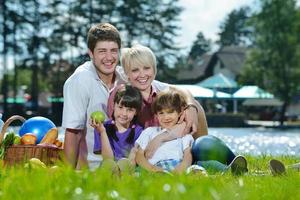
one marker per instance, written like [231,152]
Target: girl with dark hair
[115,138]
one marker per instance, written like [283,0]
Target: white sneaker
[295,166]
[196,169]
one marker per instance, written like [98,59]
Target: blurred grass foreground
[66,183]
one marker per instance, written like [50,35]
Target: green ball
[98,116]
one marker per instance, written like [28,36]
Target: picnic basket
[19,154]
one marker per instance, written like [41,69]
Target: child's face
[123,115]
[167,118]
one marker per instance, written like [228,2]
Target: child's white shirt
[172,149]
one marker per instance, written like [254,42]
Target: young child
[174,155]
[114,139]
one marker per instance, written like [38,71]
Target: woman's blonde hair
[138,55]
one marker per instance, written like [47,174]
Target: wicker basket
[18,154]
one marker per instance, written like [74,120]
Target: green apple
[98,116]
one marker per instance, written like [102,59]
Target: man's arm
[186,161]
[71,146]
[144,163]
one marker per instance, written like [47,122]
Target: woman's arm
[194,115]
[202,128]
[144,163]
[186,161]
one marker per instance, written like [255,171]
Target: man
[87,90]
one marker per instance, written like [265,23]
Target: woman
[139,64]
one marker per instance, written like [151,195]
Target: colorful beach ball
[38,126]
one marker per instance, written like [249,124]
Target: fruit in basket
[28,139]
[58,143]
[98,116]
[38,126]
[7,142]
[50,136]
[17,139]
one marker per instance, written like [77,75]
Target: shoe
[196,169]
[277,167]
[238,166]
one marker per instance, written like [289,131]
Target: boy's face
[167,118]
[105,57]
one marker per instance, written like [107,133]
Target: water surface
[254,141]
[258,141]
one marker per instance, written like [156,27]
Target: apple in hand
[98,116]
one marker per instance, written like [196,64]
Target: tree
[200,46]
[4,54]
[154,24]
[236,30]
[274,63]
[41,35]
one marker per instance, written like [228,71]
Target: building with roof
[228,61]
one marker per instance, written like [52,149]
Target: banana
[50,136]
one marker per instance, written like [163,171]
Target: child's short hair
[171,99]
[129,96]
[103,32]
[138,55]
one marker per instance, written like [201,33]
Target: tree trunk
[5,46]
[282,113]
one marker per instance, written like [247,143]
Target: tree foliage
[274,63]
[200,46]
[236,29]
[41,34]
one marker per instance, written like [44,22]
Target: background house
[228,61]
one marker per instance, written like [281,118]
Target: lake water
[253,141]
[260,141]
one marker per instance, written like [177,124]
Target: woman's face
[141,77]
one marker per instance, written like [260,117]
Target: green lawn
[65,183]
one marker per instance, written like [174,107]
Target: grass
[65,183]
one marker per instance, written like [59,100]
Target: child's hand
[154,144]
[178,130]
[98,126]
